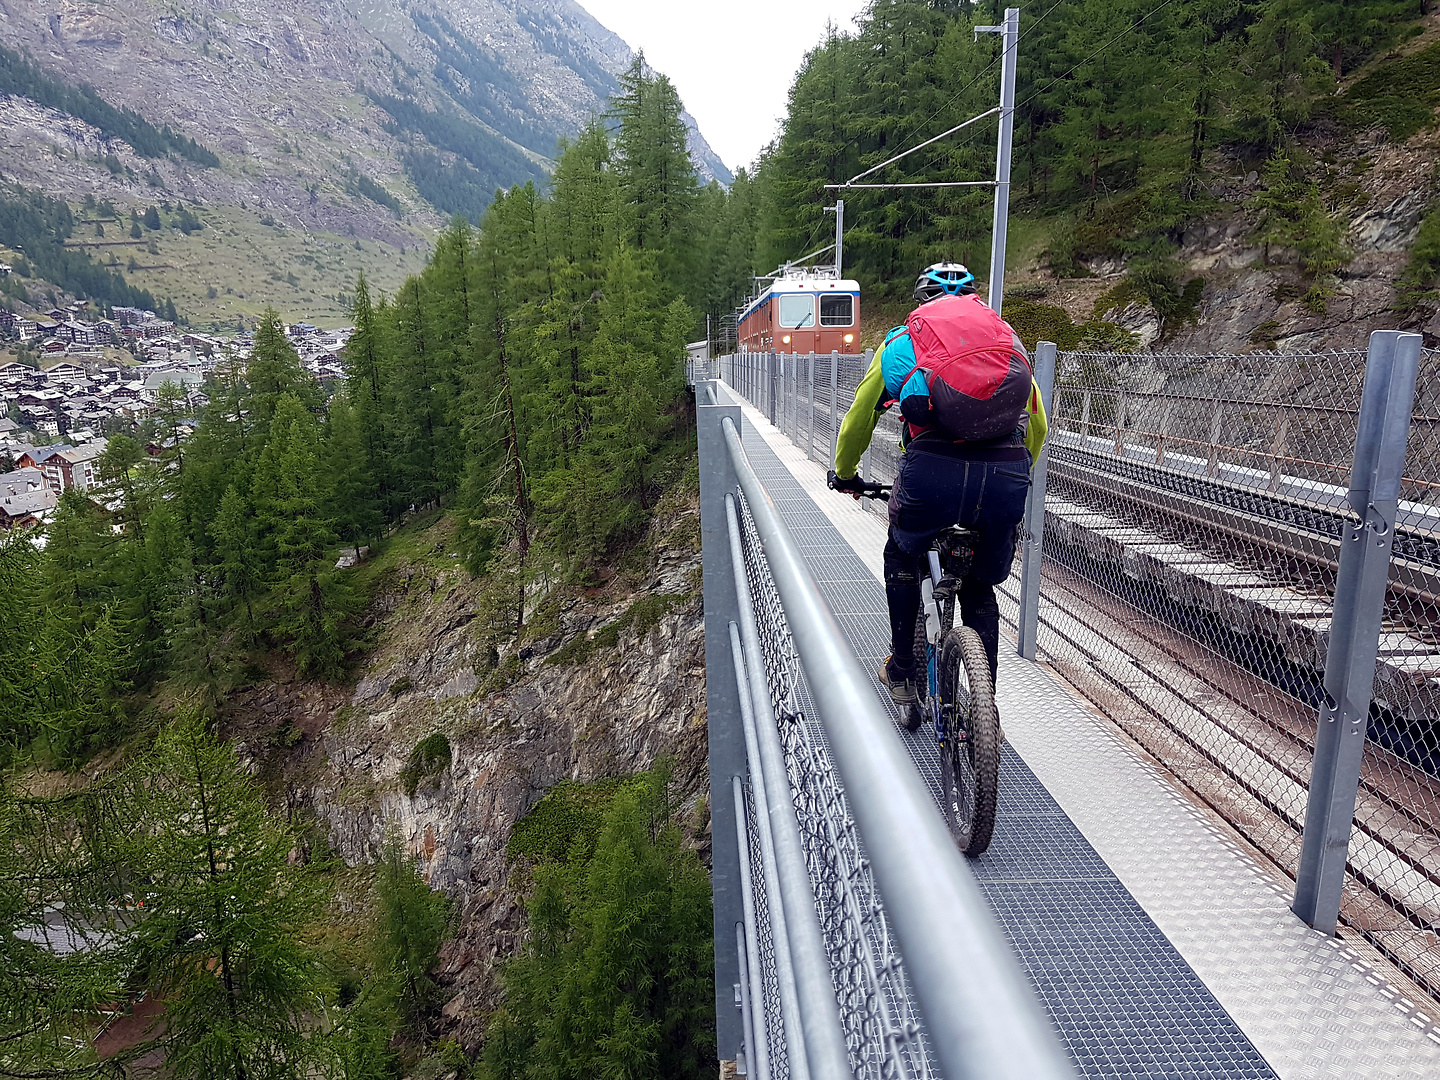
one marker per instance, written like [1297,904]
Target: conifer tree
[370,394]
[238,554]
[657,177]
[19,617]
[617,977]
[412,922]
[61,870]
[295,540]
[273,372]
[220,932]
[352,498]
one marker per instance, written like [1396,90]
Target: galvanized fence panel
[1193,530]
[882,1030]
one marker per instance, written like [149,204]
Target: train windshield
[797,310]
[837,310]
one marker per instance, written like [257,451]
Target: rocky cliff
[519,713]
[1248,304]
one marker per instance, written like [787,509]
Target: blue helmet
[943,279]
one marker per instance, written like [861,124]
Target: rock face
[611,715]
[283,90]
[1248,305]
[1241,309]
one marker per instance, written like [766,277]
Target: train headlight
[786,339]
[849,339]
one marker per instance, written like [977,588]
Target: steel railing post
[774,389]
[1381,440]
[726,736]
[834,406]
[1030,557]
[810,426]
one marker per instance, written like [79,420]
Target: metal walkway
[1167,952]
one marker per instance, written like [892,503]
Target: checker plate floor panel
[1126,1004]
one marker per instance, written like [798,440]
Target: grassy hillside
[248,265]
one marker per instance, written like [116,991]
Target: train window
[797,310]
[837,310]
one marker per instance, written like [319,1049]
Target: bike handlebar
[869,489]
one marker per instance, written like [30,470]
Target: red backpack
[977,369]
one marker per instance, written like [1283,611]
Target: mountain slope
[347,120]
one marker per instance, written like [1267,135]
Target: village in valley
[73,379]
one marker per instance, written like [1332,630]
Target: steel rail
[1411,577]
[824,1052]
[769,868]
[980,1011]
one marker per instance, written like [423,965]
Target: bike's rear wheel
[970,755]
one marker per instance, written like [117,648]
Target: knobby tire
[969,770]
[915,714]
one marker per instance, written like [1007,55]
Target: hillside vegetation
[531,381]
[1136,122]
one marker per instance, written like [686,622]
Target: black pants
[932,493]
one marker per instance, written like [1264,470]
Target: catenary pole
[1010,36]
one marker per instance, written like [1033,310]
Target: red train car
[803,314]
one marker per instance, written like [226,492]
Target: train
[802,311]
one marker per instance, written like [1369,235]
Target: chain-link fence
[1195,514]
[877,1012]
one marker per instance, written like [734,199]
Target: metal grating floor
[1124,1001]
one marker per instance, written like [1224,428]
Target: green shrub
[1418,284]
[565,822]
[400,686]
[430,757]
[642,616]
[1043,322]
[1293,216]
[1399,96]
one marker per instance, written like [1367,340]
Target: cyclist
[948,388]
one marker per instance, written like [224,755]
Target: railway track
[1286,527]
[1195,613]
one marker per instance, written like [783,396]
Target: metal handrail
[980,1012]
[815,1012]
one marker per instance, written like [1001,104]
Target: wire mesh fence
[1194,520]
[882,1029]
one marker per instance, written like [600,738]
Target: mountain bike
[957,697]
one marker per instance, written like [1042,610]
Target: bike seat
[956,534]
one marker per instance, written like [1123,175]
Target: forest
[1131,117]
[530,382]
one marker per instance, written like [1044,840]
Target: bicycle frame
[933,635]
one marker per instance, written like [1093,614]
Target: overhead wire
[1073,68]
[984,71]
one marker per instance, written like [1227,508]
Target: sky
[731,60]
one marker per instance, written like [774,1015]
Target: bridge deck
[1160,946]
